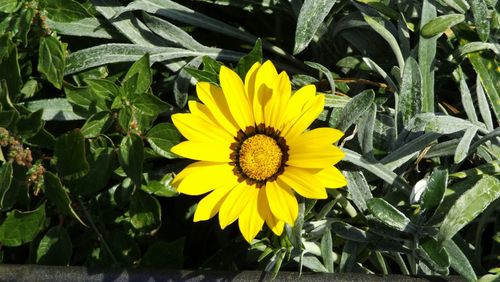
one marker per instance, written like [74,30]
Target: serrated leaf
[10,6]
[52,60]
[55,248]
[29,125]
[434,193]
[311,16]
[131,157]
[101,163]
[470,204]
[103,88]
[149,104]
[162,137]
[7,195]
[142,69]
[70,153]
[21,227]
[247,61]
[481,18]
[145,211]
[97,124]
[56,193]
[389,215]
[8,61]
[65,10]
[440,24]
[354,109]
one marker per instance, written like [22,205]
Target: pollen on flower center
[260,157]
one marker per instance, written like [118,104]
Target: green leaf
[162,137]
[21,227]
[165,255]
[29,125]
[311,16]
[387,35]
[426,57]
[144,76]
[410,99]
[460,6]
[52,60]
[436,253]
[7,194]
[57,109]
[354,109]
[8,61]
[203,75]
[131,157]
[101,163]
[10,6]
[103,88]
[161,188]
[56,193]
[389,215]
[97,124]
[84,101]
[463,146]
[247,61]
[327,250]
[440,24]
[473,202]
[182,83]
[65,10]
[434,193]
[70,153]
[481,18]
[313,264]
[145,211]
[459,261]
[55,248]
[149,104]
[490,79]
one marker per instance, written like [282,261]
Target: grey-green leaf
[354,109]
[57,109]
[463,146]
[481,18]
[389,215]
[410,101]
[358,189]
[474,201]
[311,15]
[436,253]
[459,261]
[440,24]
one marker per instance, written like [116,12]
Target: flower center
[260,157]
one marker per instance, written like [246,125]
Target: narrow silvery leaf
[459,261]
[426,56]
[464,145]
[472,47]
[87,27]
[389,215]
[470,204]
[311,16]
[354,109]
[387,35]
[459,5]
[481,18]
[358,189]
[366,126]
[484,108]
[410,99]
[467,100]
[327,250]
[434,192]
[373,66]
[440,24]
[324,71]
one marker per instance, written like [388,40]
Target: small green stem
[401,263]
[98,233]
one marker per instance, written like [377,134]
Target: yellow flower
[253,154]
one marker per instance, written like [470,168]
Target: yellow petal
[275,109]
[195,128]
[319,136]
[274,224]
[297,102]
[303,182]
[251,220]
[282,201]
[331,177]
[237,100]
[309,114]
[313,156]
[234,203]
[203,151]
[210,205]
[250,82]
[201,180]
[213,97]
[264,81]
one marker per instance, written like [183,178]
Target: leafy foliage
[87,89]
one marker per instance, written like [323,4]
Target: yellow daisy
[253,154]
